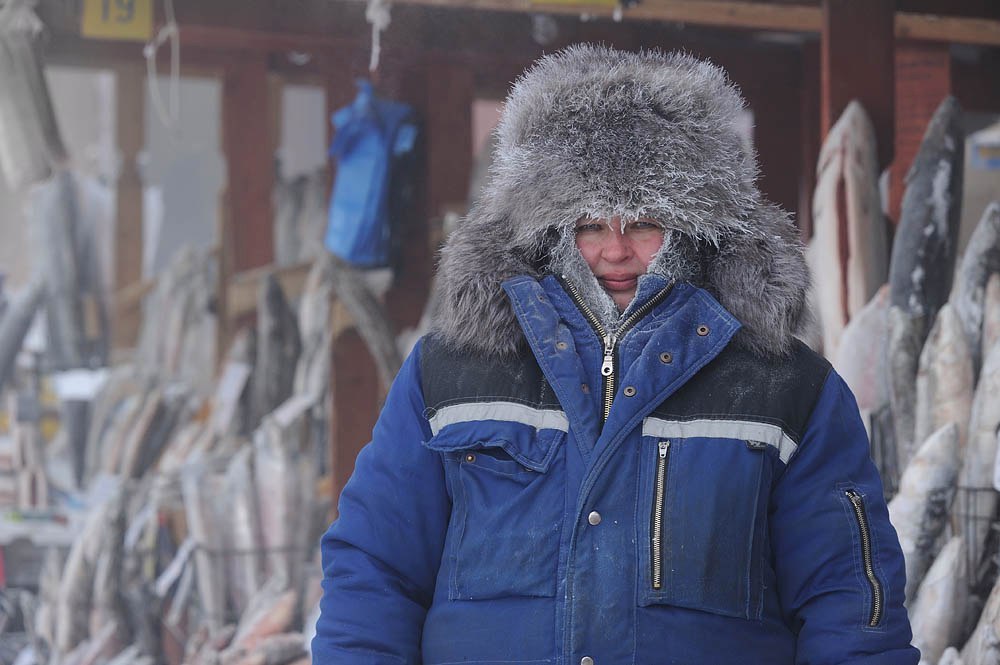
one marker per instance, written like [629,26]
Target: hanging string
[170,117]
[377,13]
[19,16]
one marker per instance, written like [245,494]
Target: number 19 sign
[118,19]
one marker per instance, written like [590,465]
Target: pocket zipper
[655,543]
[857,502]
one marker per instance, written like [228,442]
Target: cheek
[590,251]
[647,250]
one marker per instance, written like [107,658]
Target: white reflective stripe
[745,430]
[503,411]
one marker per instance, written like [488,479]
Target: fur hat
[598,132]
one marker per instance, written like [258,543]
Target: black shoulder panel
[450,376]
[740,385]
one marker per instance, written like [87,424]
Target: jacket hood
[591,131]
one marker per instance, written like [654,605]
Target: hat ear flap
[473,310]
[763,280]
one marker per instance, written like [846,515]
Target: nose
[618,247]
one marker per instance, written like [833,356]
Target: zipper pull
[608,366]
[664,446]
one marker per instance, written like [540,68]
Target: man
[612,449]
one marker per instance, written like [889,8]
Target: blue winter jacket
[725,511]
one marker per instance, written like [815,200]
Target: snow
[940,199]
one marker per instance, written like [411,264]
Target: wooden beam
[128,239]
[794,18]
[244,39]
[746,15]
[953,29]
[856,60]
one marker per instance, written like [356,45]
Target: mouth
[619,282]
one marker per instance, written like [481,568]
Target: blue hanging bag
[372,134]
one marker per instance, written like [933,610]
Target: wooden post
[923,79]
[355,393]
[857,46]
[128,240]
[248,143]
[444,104]
[773,90]
[353,383]
[810,135]
[246,236]
[442,93]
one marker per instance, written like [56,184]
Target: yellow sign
[118,19]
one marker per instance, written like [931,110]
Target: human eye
[588,226]
[644,227]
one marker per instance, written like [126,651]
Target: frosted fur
[591,131]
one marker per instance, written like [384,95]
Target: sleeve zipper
[857,502]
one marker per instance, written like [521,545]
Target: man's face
[618,258]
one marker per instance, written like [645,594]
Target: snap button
[586,660]
[541,297]
[470,458]
[666,357]
[702,330]
[629,391]
[561,346]
[594,518]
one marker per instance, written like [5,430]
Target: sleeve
[381,556]
[839,567]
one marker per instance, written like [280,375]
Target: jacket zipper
[656,528]
[857,502]
[609,366]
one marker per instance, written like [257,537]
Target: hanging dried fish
[937,616]
[201,487]
[14,325]
[271,650]
[30,144]
[861,360]
[849,252]
[904,359]
[76,587]
[981,647]
[981,258]
[369,317]
[288,203]
[919,511]
[177,340]
[284,479]
[52,212]
[244,531]
[991,315]
[977,504]
[271,611]
[945,382]
[278,349]
[312,376]
[923,252]
[110,612]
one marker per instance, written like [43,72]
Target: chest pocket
[507,482]
[705,524]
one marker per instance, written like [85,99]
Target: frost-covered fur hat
[598,132]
